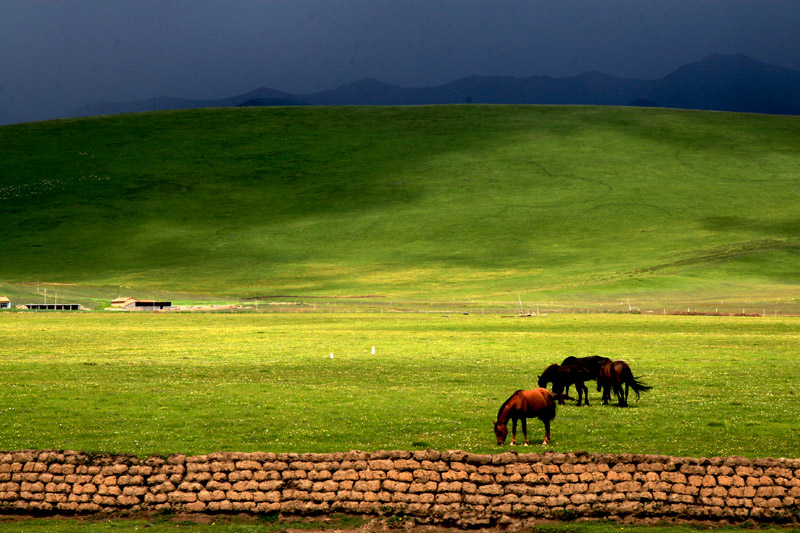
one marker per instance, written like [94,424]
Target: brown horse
[614,375]
[524,404]
[562,377]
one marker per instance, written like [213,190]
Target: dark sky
[58,54]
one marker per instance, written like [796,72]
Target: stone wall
[450,487]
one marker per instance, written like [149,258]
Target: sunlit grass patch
[575,204]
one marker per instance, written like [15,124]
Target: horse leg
[585,394]
[626,394]
[546,432]
[602,385]
[525,430]
[514,432]
[619,393]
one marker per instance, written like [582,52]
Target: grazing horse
[524,404]
[591,363]
[615,374]
[562,376]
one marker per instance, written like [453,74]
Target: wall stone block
[451,487]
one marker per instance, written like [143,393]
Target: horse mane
[550,368]
[500,411]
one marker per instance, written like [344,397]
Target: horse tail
[548,412]
[560,396]
[635,383]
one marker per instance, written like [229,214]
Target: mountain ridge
[716,83]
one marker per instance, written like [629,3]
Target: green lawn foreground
[165,383]
[336,523]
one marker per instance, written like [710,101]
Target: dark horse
[591,363]
[524,404]
[615,374]
[562,376]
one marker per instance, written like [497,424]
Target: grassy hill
[579,204]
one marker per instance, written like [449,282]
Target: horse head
[501,432]
[547,376]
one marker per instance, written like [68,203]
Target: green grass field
[227,525]
[337,523]
[438,210]
[194,384]
[583,206]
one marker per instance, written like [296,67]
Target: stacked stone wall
[450,487]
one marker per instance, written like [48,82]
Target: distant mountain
[729,83]
[163,103]
[718,82]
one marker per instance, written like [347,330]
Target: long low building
[133,304]
[5,303]
[52,307]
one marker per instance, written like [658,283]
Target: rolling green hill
[585,204]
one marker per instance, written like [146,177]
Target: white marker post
[373,350]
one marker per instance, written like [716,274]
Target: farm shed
[5,303]
[51,307]
[123,302]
